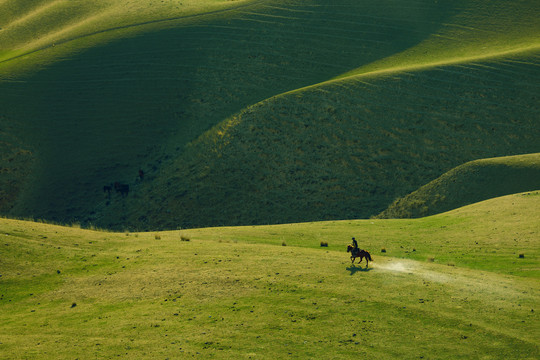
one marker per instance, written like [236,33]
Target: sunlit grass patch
[220,298]
[66,27]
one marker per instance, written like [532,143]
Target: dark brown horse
[359,253]
[123,189]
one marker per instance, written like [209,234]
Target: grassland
[36,33]
[448,286]
[349,105]
[469,183]
[346,149]
[275,112]
[473,35]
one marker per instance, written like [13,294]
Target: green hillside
[469,183]
[345,150]
[483,30]
[448,286]
[35,33]
[256,112]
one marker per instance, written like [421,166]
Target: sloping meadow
[452,285]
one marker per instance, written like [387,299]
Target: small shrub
[324,244]
[383,250]
[431,259]
[522,256]
[184,238]
[283,243]
[157,237]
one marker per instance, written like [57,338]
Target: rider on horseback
[356,252]
[356,249]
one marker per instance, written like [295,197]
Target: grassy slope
[469,183]
[99,117]
[485,29]
[237,292]
[36,33]
[348,148]
[342,149]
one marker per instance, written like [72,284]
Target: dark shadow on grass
[354,269]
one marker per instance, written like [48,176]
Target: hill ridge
[131,26]
[194,104]
[472,182]
[508,54]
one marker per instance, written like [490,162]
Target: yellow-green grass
[448,286]
[469,183]
[481,30]
[35,33]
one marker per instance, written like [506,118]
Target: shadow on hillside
[354,269]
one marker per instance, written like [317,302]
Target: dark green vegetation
[448,286]
[472,182]
[264,112]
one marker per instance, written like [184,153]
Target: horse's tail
[369,256]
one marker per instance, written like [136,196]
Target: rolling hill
[255,112]
[469,183]
[459,284]
[275,112]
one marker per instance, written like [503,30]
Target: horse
[123,189]
[359,253]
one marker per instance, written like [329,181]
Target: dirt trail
[463,279]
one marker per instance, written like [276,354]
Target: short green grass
[449,286]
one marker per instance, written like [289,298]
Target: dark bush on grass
[184,238]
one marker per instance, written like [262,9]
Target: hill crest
[198,104]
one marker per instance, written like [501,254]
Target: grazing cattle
[107,189]
[123,189]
